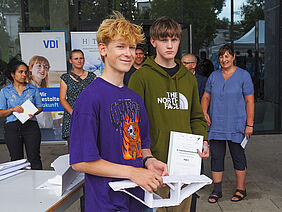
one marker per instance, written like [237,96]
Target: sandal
[239,198]
[214,196]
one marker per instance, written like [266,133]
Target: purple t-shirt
[108,123]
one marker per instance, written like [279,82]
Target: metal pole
[191,38]
[231,24]
[257,73]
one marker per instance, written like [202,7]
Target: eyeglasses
[38,65]
[186,63]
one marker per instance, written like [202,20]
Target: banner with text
[86,41]
[45,54]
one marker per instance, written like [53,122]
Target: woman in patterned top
[71,85]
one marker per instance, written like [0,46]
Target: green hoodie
[160,93]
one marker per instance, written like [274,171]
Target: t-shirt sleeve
[3,101]
[248,87]
[84,132]
[144,127]
[38,101]
[209,85]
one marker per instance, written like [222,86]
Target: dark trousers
[28,134]
[218,150]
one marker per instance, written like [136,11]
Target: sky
[226,10]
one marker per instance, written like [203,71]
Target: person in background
[71,85]
[229,98]
[38,71]
[109,126]
[190,62]
[204,65]
[250,63]
[140,55]
[17,134]
[164,77]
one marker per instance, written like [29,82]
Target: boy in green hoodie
[170,95]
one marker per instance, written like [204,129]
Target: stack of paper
[12,168]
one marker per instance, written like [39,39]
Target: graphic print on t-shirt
[171,101]
[125,116]
[131,147]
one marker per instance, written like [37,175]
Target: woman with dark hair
[17,134]
[71,85]
[228,106]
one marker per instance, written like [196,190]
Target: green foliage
[97,10]
[252,11]
[94,9]
[218,4]
[202,14]
[8,6]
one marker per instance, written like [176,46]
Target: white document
[244,142]
[183,158]
[57,189]
[9,167]
[177,193]
[2,177]
[65,176]
[29,108]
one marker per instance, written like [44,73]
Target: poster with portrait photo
[86,41]
[45,54]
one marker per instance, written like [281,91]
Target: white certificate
[183,158]
[29,108]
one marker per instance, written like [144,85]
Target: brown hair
[225,48]
[76,51]
[165,27]
[32,61]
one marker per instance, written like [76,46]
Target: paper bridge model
[175,183]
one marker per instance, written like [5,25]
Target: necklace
[80,74]
[227,74]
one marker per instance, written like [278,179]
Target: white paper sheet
[2,177]
[65,176]
[244,142]
[57,189]
[11,164]
[29,108]
[177,195]
[183,158]
[9,167]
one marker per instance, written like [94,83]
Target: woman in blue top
[228,105]
[16,134]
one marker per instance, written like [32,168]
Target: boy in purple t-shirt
[109,134]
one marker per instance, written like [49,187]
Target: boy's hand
[157,166]
[206,151]
[146,178]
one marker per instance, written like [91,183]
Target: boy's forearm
[104,168]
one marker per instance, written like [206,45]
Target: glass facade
[75,15]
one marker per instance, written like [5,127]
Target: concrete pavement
[263,182]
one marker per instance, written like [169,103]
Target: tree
[252,11]
[202,13]
[97,10]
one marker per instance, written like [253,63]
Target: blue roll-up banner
[51,99]
[45,54]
